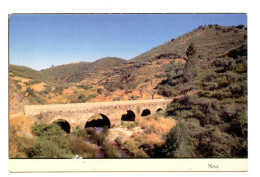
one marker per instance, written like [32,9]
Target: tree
[218,28]
[190,51]
[240,26]
[245,37]
[30,91]
[100,91]
[191,68]
[153,92]
[141,89]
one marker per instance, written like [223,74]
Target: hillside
[106,63]
[25,72]
[66,73]
[210,41]
[114,78]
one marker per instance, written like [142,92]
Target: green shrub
[47,90]
[50,142]
[43,129]
[82,98]
[181,141]
[59,89]
[80,147]
[44,147]
[119,141]
[100,91]
[32,82]
[139,153]
[116,99]
[18,86]
[110,150]
[32,97]
[227,63]
[238,89]
[133,97]
[107,94]
[79,132]
[98,138]
[132,147]
[159,76]
[86,87]
[215,143]
[210,76]
[30,91]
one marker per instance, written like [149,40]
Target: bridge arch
[130,116]
[159,110]
[102,121]
[64,124]
[146,112]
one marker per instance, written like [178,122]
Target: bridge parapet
[32,110]
[78,113]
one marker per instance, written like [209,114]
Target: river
[102,153]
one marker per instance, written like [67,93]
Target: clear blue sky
[40,40]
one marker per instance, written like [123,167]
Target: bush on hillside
[86,87]
[32,82]
[18,86]
[213,121]
[100,91]
[181,141]
[240,26]
[227,63]
[32,97]
[50,142]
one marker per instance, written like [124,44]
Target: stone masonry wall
[78,113]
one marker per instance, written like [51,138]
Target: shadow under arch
[146,112]
[130,116]
[101,122]
[159,110]
[63,124]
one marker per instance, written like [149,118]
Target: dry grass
[155,127]
[70,91]
[159,125]
[23,80]
[179,60]
[20,135]
[148,138]
[94,79]
[38,87]
[20,121]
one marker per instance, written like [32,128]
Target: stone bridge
[81,114]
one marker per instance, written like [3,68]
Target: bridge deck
[33,109]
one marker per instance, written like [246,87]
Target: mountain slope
[26,72]
[67,73]
[210,41]
[76,72]
[73,72]
[210,102]
[130,79]
[106,63]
